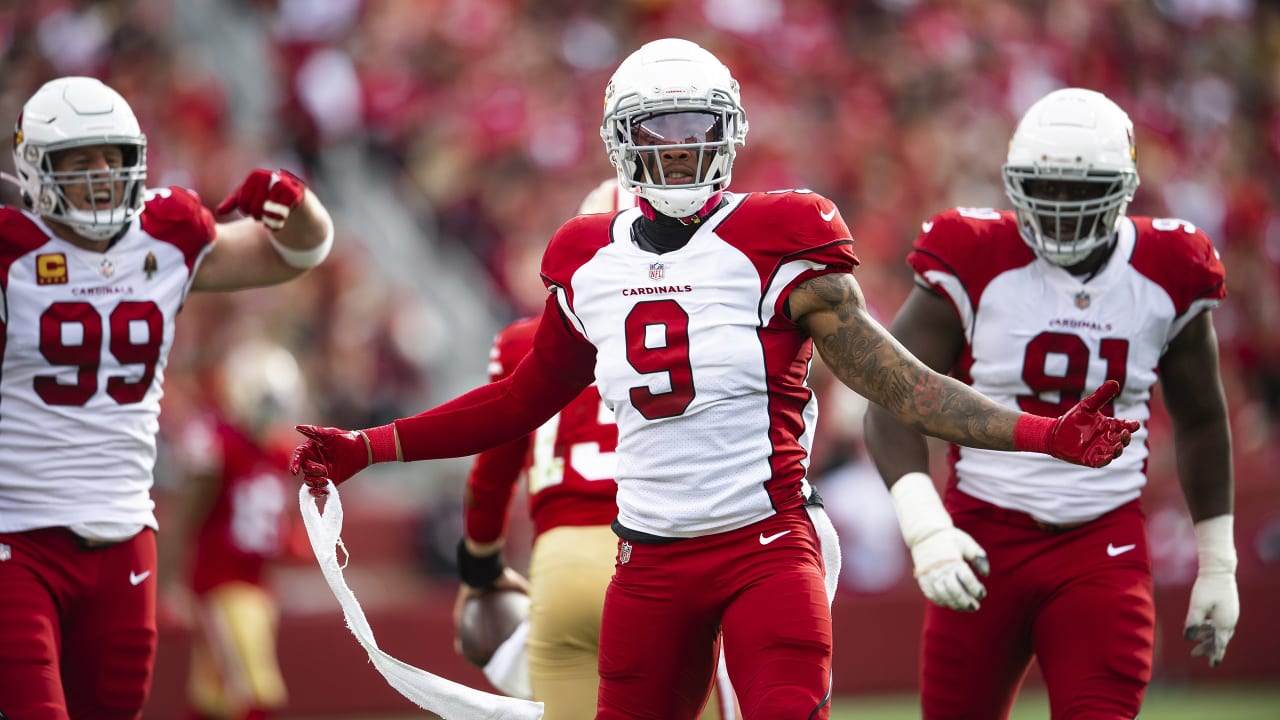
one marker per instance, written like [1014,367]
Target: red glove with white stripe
[266,195]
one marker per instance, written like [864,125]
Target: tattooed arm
[869,360]
[864,356]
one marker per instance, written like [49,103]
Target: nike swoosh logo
[926,226]
[135,578]
[827,215]
[766,539]
[1113,551]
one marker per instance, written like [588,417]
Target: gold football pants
[233,652]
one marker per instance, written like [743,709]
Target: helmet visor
[677,149]
[679,128]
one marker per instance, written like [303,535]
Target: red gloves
[1082,436]
[266,195]
[334,455]
[330,454]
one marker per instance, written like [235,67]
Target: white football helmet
[75,112]
[261,386]
[1070,174]
[676,78]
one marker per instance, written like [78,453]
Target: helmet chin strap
[1103,253]
[650,213]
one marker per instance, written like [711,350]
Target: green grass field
[1161,704]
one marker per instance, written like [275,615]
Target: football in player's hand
[487,621]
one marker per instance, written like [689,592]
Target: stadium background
[451,137]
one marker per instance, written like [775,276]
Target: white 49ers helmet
[75,112]
[673,95]
[607,197]
[1071,173]
[261,386]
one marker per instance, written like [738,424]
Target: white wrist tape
[920,510]
[304,259]
[1215,539]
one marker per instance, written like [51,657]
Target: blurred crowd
[484,114]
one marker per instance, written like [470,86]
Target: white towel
[829,544]
[508,669]
[448,699]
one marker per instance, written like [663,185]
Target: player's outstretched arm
[476,421]
[870,361]
[560,366]
[286,231]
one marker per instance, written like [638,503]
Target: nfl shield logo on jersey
[624,553]
[656,270]
[1082,299]
[5,553]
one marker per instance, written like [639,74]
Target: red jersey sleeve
[973,245]
[560,366]
[791,236]
[18,236]
[1180,258]
[573,245]
[781,227]
[176,216]
[492,480]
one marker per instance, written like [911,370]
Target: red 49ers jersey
[85,340]
[1038,338]
[569,461]
[704,371]
[246,526]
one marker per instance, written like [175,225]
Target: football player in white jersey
[1032,307]
[93,270]
[569,463]
[697,314]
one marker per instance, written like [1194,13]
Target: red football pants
[78,635]
[762,586]
[1079,600]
